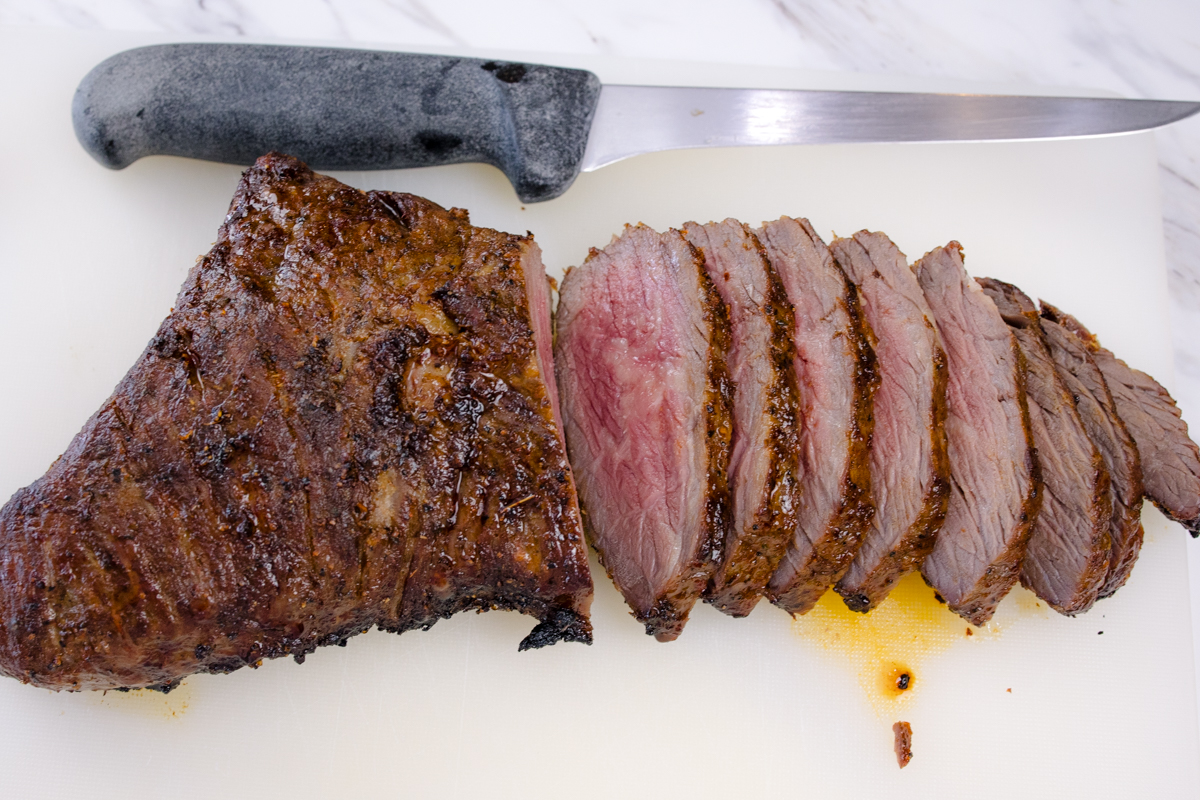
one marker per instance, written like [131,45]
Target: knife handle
[339,109]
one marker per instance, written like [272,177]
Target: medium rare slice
[1086,384]
[996,487]
[762,463]
[1170,459]
[640,357]
[344,423]
[1069,547]
[835,371]
[910,471]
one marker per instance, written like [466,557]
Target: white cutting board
[1037,706]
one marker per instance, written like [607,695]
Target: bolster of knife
[339,109]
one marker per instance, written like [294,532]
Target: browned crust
[754,556]
[978,605]
[1070,323]
[1127,519]
[921,536]
[1098,565]
[1093,344]
[1126,526]
[836,549]
[665,620]
[226,504]
[902,732]
[1092,576]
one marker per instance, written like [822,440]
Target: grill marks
[1068,554]
[319,440]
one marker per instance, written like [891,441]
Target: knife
[342,109]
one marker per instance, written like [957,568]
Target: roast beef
[763,460]
[1170,459]
[910,471]
[996,486]
[835,371]
[1069,546]
[640,357]
[344,423]
[1094,402]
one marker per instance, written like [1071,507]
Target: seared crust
[1068,553]
[918,542]
[343,424]
[872,575]
[796,587]
[1170,459]
[833,553]
[1098,412]
[759,535]
[996,486]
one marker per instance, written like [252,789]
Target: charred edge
[560,625]
[858,602]
[665,620]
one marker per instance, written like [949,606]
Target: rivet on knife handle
[339,109]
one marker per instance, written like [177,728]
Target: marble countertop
[1145,49]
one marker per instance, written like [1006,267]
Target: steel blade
[630,120]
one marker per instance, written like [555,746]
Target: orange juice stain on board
[889,646]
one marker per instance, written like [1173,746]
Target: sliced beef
[762,464]
[1094,402]
[1069,547]
[1170,459]
[640,357]
[344,423]
[910,471]
[996,487]
[835,370]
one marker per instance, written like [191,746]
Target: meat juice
[889,647]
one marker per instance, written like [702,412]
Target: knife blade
[541,125]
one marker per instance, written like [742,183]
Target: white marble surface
[1149,48]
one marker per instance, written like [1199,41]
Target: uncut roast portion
[347,421]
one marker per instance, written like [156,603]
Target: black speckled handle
[339,109]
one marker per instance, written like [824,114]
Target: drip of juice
[147,702]
[889,646]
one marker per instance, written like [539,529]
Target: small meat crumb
[903,732]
